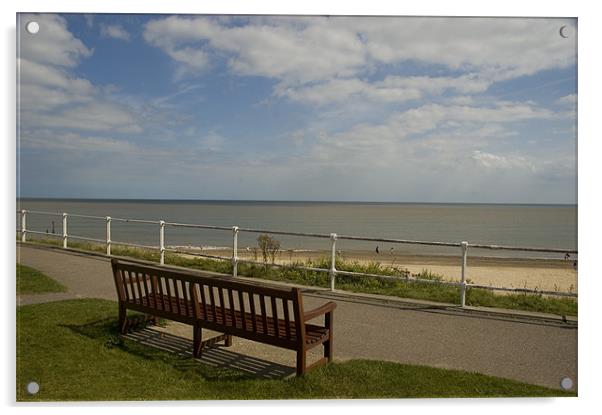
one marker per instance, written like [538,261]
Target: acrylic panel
[225,207]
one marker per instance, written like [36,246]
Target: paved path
[533,350]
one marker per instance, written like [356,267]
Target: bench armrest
[326,308]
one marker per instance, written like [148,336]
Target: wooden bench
[221,303]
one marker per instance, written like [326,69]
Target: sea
[542,226]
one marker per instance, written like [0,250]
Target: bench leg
[301,362]
[328,343]
[197,344]
[123,321]
[228,341]
[328,350]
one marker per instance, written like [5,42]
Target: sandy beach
[541,274]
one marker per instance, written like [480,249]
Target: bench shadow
[217,357]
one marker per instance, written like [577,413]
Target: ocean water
[546,226]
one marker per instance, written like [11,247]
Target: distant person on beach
[575,265]
[377,251]
[567,256]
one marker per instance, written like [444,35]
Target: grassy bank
[72,349]
[398,288]
[31,281]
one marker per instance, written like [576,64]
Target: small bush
[269,247]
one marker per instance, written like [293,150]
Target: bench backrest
[249,310]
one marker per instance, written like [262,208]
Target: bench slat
[212,297]
[186,296]
[275,317]
[252,304]
[287,320]
[168,288]
[123,285]
[145,290]
[161,293]
[241,302]
[264,317]
[220,293]
[177,294]
[232,308]
[202,289]
[137,279]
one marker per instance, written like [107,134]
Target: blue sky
[298,108]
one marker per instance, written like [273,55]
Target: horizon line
[286,201]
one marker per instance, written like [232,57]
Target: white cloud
[504,47]
[50,96]
[95,116]
[44,87]
[49,140]
[494,161]
[114,31]
[53,44]
[567,100]
[310,49]
[391,89]
[422,131]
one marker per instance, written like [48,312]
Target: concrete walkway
[531,349]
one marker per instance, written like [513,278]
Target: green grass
[72,349]
[398,288]
[31,281]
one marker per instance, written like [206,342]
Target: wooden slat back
[220,300]
[232,308]
[211,280]
[161,293]
[242,309]
[168,290]
[203,301]
[253,314]
[275,316]
[212,304]
[264,317]
[287,320]
[222,306]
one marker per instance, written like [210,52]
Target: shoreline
[284,256]
[533,273]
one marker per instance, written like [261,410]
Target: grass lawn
[31,281]
[73,351]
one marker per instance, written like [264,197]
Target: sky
[383,109]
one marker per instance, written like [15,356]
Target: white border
[589,188]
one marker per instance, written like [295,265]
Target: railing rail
[333,237]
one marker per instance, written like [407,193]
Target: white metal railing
[333,237]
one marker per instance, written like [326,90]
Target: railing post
[64,230]
[23,225]
[235,251]
[463,277]
[108,236]
[162,242]
[333,258]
